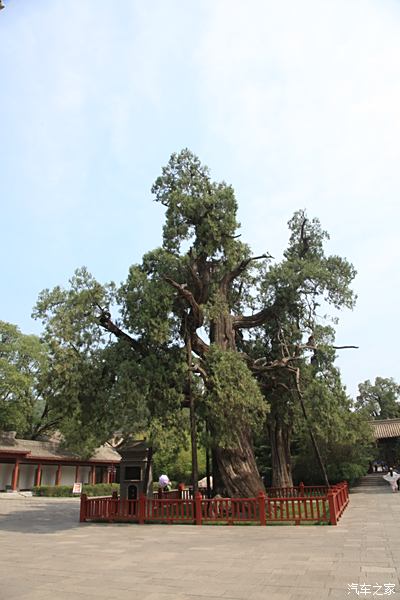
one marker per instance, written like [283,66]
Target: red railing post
[82,513]
[181,488]
[142,509]
[113,505]
[332,506]
[261,508]
[197,507]
[301,488]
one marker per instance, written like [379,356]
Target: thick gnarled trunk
[280,437]
[236,470]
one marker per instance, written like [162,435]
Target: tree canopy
[379,400]
[200,322]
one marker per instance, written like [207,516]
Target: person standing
[392,477]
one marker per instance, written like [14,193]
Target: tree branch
[247,322]
[304,240]
[230,277]
[198,369]
[187,295]
[260,365]
[106,322]
[344,347]
[199,346]
[312,347]
[41,428]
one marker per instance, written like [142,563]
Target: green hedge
[99,489]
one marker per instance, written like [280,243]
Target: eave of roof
[34,450]
[385,428]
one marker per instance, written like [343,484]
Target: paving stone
[46,554]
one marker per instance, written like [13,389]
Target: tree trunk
[280,436]
[238,473]
[235,472]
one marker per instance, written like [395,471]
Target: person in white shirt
[391,477]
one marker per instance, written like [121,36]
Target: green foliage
[295,332]
[178,465]
[148,302]
[95,381]
[232,401]
[64,491]
[198,209]
[202,277]
[344,437]
[23,370]
[379,400]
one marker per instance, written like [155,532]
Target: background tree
[379,400]
[25,402]
[294,336]
[106,383]
[344,437]
[95,382]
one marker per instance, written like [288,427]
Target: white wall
[5,475]
[26,479]
[49,474]
[67,475]
[84,474]
[27,473]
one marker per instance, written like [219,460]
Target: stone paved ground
[46,554]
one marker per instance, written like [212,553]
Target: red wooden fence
[303,504]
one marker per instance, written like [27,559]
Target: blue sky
[295,104]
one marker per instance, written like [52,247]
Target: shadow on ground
[45,518]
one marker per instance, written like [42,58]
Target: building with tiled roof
[26,463]
[385,428]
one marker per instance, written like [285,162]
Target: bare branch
[229,277]
[304,240]
[49,425]
[199,346]
[247,322]
[198,369]
[261,365]
[188,296]
[344,347]
[313,347]
[106,322]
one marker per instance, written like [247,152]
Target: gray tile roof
[51,450]
[386,428]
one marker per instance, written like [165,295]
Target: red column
[332,506]
[142,509]
[93,474]
[15,475]
[38,477]
[82,515]
[261,508]
[77,474]
[197,507]
[58,475]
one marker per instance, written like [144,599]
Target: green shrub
[64,491]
